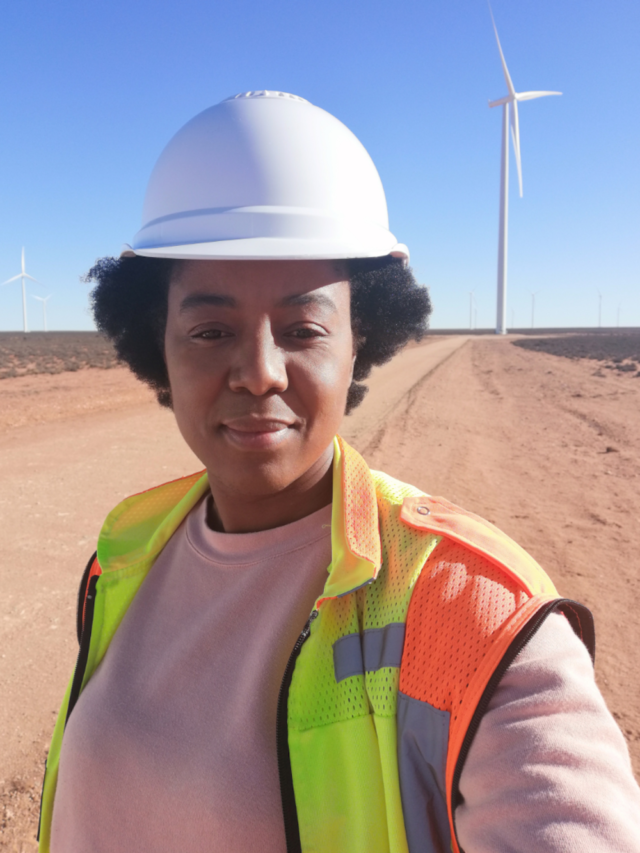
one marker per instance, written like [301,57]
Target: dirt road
[520,437]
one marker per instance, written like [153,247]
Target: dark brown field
[60,352]
[53,352]
[618,350]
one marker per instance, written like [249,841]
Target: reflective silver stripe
[356,654]
[423,738]
[347,657]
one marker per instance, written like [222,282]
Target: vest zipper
[82,594]
[85,642]
[289,811]
[571,609]
[44,777]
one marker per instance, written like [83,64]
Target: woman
[428,690]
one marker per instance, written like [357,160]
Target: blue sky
[93,91]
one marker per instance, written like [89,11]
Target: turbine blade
[26,275]
[505,70]
[515,135]
[9,280]
[529,96]
[39,298]
[23,259]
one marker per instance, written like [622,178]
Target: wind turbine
[509,104]
[533,293]
[22,276]
[43,299]
[599,309]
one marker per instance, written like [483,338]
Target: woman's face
[260,358]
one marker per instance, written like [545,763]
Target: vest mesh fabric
[128,531]
[387,601]
[442,653]
[158,501]
[359,495]
[321,700]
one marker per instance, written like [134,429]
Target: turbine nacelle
[22,275]
[520,96]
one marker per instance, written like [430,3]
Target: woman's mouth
[256,434]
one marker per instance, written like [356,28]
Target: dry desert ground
[543,445]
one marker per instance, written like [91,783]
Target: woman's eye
[304,334]
[210,334]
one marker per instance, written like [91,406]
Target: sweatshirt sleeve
[549,769]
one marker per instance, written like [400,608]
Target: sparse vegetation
[53,352]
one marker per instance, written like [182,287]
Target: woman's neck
[231,512]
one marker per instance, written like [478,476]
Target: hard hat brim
[269,249]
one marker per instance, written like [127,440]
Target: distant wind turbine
[533,293]
[509,106]
[43,299]
[22,276]
[599,309]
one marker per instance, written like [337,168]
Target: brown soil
[29,400]
[545,447]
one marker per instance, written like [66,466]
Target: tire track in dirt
[367,441]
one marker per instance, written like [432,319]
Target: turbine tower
[509,106]
[22,276]
[44,300]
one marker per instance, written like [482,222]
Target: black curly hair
[388,308]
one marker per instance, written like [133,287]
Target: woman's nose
[259,366]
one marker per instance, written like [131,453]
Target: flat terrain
[546,447]
[615,350]
[53,352]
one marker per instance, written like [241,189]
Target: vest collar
[355,539]
[139,527]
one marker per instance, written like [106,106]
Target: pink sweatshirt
[172,743]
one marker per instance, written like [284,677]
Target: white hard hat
[265,175]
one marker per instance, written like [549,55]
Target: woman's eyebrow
[309,299]
[194,300]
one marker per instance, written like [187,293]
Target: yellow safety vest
[424,608]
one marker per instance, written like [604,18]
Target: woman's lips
[256,435]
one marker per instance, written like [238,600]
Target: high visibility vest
[424,608]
